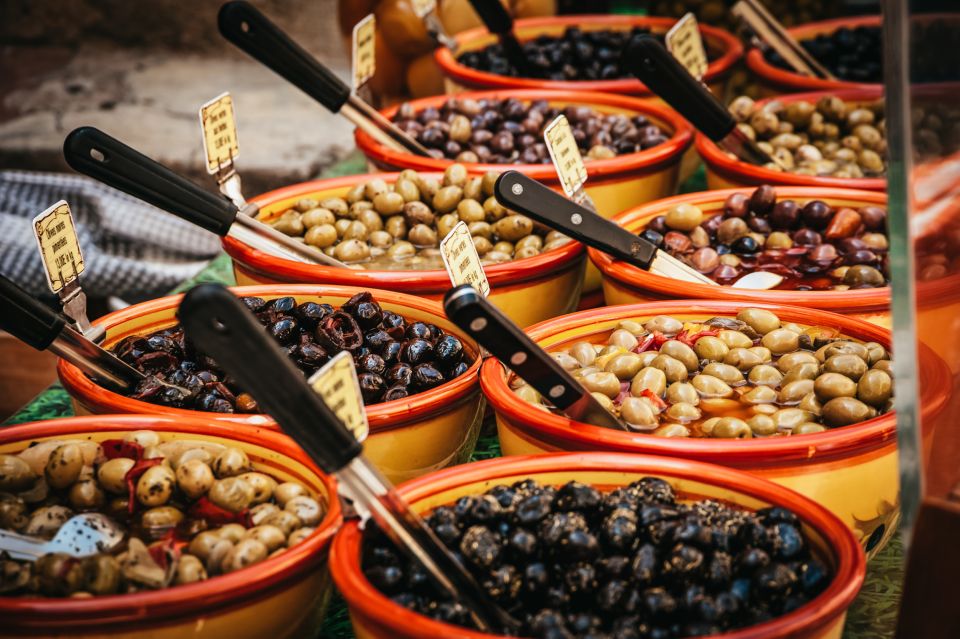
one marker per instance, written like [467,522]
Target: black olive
[425,376]
[653,237]
[418,330]
[371,387]
[745,245]
[480,546]
[448,350]
[399,374]
[281,304]
[391,352]
[284,330]
[393,324]
[385,578]
[255,304]
[371,363]
[416,351]
[377,339]
[368,314]
[459,370]
[786,540]
[577,496]
[310,313]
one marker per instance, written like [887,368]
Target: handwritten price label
[462,261]
[337,384]
[58,244]
[423,7]
[219,132]
[565,155]
[684,42]
[364,51]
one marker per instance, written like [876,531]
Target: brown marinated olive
[189,570]
[15,474]
[112,474]
[245,553]
[194,478]
[155,486]
[64,466]
[233,494]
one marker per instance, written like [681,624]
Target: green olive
[513,227]
[15,474]
[481,229]
[287,491]
[471,211]
[708,386]
[623,338]
[566,360]
[846,364]
[289,224]
[189,570]
[245,553]
[396,226]
[729,374]
[381,240]
[202,543]
[792,393]
[811,404]
[299,535]
[428,186]
[352,251]
[731,428]
[455,175]
[13,512]
[504,247]
[760,320]
[155,486]
[763,353]
[637,413]
[831,385]
[648,378]
[336,205]
[875,352]
[664,324]
[86,494]
[306,508]
[321,236]
[407,189]
[232,461]
[623,365]
[46,521]
[760,395]
[63,466]
[682,353]
[762,425]
[532,241]
[672,430]
[263,486]
[843,411]
[161,517]
[401,250]
[884,365]
[788,361]
[781,341]
[788,418]
[683,413]
[682,392]
[875,387]
[603,400]
[807,428]
[315,217]
[112,475]
[742,359]
[101,575]
[804,370]
[765,375]
[231,493]
[584,352]
[602,382]
[711,348]
[374,187]
[842,348]
[447,199]
[284,520]
[494,211]
[270,536]
[684,217]
[672,368]
[527,393]
[734,339]
[482,245]
[422,235]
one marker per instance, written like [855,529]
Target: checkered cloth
[132,250]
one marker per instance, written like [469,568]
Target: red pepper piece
[115,448]
[653,340]
[690,340]
[214,515]
[133,475]
[653,397]
[162,549]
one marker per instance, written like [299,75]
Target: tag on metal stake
[364,56]
[567,161]
[221,146]
[59,248]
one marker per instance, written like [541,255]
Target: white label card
[462,261]
[59,247]
[219,125]
[423,7]
[565,155]
[364,51]
[337,384]
[684,42]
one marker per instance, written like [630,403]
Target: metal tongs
[94,153]
[647,59]
[768,30]
[254,34]
[229,332]
[498,22]
[37,325]
[518,192]
[507,342]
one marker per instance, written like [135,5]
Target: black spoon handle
[253,33]
[214,317]
[27,318]
[104,158]
[663,74]
[516,191]
[507,342]
[498,21]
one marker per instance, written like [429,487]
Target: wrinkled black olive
[395,392]
[309,314]
[391,352]
[416,351]
[377,339]
[399,374]
[255,304]
[281,304]
[418,330]
[448,350]
[425,376]
[371,387]
[284,330]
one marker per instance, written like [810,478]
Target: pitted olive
[793,392]
[245,553]
[875,352]
[788,361]
[155,486]
[623,338]
[680,392]
[787,418]
[760,395]
[161,517]
[711,348]
[674,369]
[194,478]
[805,370]
[233,532]
[734,339]
[527,393]
[85,495]
[709,386]
[762,425]
[743,359]
[811,404]
[683,413]
[765,375]
[637,413]
[112,475]
[760,320]
[602,382]
[830,385]
[231,462]
[842,348]
[46,521]
[233,494]
[729,374]
[672,430]
[664,324]
[682,353]
[623,365]
[781,341]
[261,511]
[202,544]
[143,438]
[731,428]
[584,352]
[808,428]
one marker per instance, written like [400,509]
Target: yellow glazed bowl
[281,597]
[374,616]
[626,284]
[408,437]
[852,470]
[554,277]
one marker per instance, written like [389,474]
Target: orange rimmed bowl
[375,616]
[460,77]
[851,470]
[555,277]
[725,171]
[408,437]
[626,284]
[283,596]
[614,184]
[773,80]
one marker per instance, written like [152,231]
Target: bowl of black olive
[417,371]
[580,53]
[610,545]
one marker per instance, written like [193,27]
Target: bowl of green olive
[226,530]
[387,228]
[825,138]
[800,396]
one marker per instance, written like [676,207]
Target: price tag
[565,155]
[423,7]
[684,42]
[462,261]
[59,247]
[364,51]
[336,383]
[219,127]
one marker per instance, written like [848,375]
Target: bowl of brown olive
[417,372]
[829,245]
[632,148]
[387,229]
[828,139]
[574,53]
[610,545]
[799,396]
[225,525]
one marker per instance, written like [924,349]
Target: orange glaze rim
[737,171]
[501,276]
[850,562]
[773,452]
[467,76]
[205,597]
[629,166]
[381,417]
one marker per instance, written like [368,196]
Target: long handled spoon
[80,536]
[498,21]
[647,59]
[507,342]
[772,34]
[35,324]
[254,34]
[102,157]
[229,333]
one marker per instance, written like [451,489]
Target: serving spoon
[80,536]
